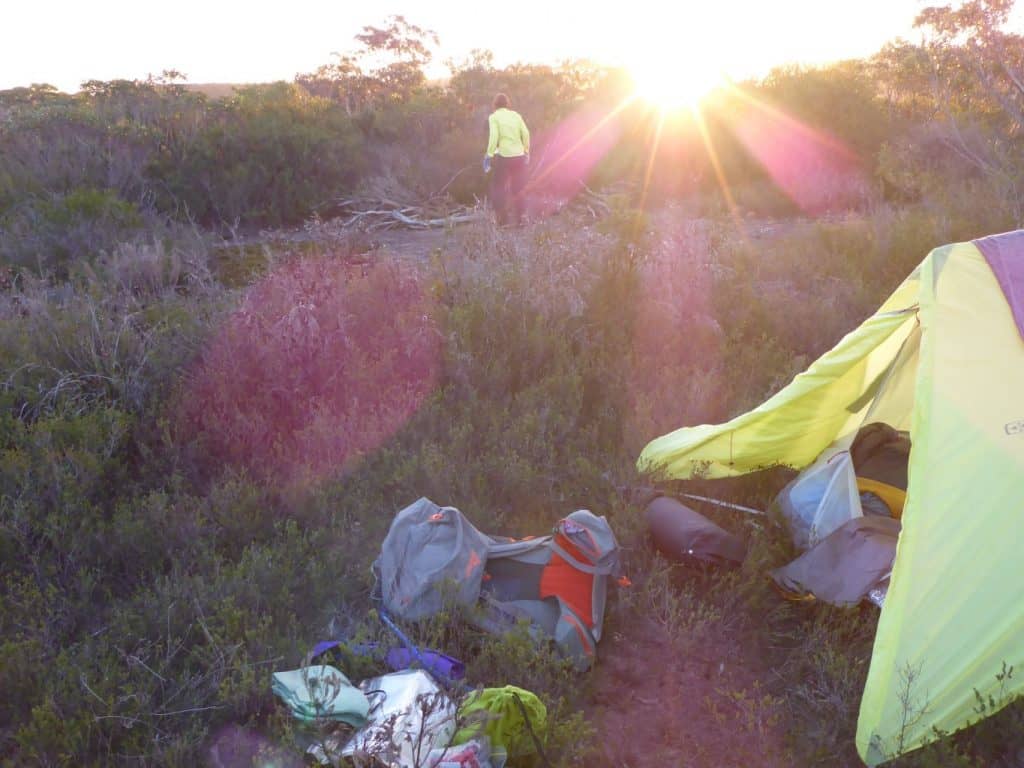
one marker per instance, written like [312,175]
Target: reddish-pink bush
[322,362]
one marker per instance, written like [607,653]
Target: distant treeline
[80,172]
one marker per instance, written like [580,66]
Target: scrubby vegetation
[203,443]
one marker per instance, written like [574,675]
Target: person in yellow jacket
[508,154]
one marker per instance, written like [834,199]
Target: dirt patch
[662,702]
[410,244]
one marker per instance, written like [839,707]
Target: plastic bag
[410,715]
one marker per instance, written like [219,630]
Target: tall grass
[196,477]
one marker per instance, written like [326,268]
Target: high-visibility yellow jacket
[509,136]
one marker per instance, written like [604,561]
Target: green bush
[96,345]
[53,236]
[266,157]
[76,174]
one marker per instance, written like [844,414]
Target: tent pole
[726,504]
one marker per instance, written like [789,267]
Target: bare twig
[444,189]
[81,679]
[186,711]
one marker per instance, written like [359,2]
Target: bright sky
[64,42]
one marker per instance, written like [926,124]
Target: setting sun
[673,88]
[678,61]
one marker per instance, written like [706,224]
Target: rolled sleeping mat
[681,533]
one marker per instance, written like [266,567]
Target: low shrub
[320,364]
[195,477]
[53,236]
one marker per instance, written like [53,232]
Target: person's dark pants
[507,183]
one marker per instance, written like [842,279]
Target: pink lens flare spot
[319,366]
[570,151]
[816,171]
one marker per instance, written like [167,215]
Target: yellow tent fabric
[953,614]
[952,617]
[794,426]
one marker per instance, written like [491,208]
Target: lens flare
[319,366]
[672,88]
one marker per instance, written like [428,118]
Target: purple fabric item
[1005,255]
[436,663]
[323,647]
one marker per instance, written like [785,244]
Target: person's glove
[487,164]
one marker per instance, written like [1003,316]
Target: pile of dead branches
[387,204]
[377,213]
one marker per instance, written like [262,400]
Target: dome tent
[944,359]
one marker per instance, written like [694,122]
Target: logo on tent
[1015,427]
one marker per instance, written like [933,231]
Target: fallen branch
[376,213]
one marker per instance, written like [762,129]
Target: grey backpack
[557,584]
[430,555]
